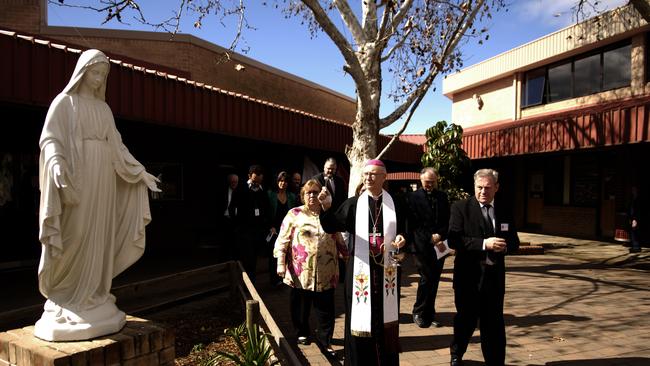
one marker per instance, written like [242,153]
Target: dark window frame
[546,98]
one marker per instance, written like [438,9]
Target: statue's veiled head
[87,60]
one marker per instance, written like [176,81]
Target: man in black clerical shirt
[428,222]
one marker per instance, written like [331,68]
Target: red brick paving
[582,303]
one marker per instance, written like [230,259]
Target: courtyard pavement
[581,303]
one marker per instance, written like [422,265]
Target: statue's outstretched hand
[151,182]
[60,175]
[61,179]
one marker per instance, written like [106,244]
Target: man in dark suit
[334,183]
[482,234]
[253,220]
[634,217]
[337,190]
[427,226]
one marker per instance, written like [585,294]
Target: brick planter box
[140,342]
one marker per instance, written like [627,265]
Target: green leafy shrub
[254,348]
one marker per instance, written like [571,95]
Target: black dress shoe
[456,361]
[420,321]
[436,324]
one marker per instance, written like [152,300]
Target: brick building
[186,56]
[565,119]
[190,130]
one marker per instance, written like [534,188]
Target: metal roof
[33,71]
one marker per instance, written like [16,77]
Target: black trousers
[430,270]
[485,306]
[228,244]
[301,302]
[251,245]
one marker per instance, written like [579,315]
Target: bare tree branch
[369,20]
[436,64]
[396,46]
[353,65]
[399,16]
[350,20]
[401,130]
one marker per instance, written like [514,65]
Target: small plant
[253,345]
[197,348]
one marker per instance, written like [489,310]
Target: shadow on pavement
[627,361]
[529,321]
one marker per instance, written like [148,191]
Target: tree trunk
[364,145]
[365,129]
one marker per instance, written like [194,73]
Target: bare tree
[417,40]
[412,40]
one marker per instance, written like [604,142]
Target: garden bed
[199,327]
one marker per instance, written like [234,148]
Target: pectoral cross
[376,240]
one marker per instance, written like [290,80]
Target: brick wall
[570,221]
[140,342]
[194,57]
[21,15]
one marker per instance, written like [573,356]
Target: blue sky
[287,45]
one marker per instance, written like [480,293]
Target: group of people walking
[319,238]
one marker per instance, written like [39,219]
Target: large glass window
[587,75]
[559,82]
[606,69]
[534,87]
[617,67]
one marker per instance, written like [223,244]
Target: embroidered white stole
[360,321]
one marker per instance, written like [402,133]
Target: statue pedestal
[140,342]
[58,324]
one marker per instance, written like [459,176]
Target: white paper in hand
[439,253]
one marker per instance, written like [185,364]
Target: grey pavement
[581,303]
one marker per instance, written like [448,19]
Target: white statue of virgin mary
[93,211]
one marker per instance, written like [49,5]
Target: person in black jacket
[482,234]
[334,184]
[427,226]
[338,192]
[634,217]
[253,220]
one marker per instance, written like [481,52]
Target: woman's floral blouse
[307,254]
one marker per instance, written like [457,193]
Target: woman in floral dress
[308,262]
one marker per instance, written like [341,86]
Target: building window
[587,75]
[559,83]
[615,72]
[605,69]
[535,84]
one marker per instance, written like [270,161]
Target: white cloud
[556,13]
